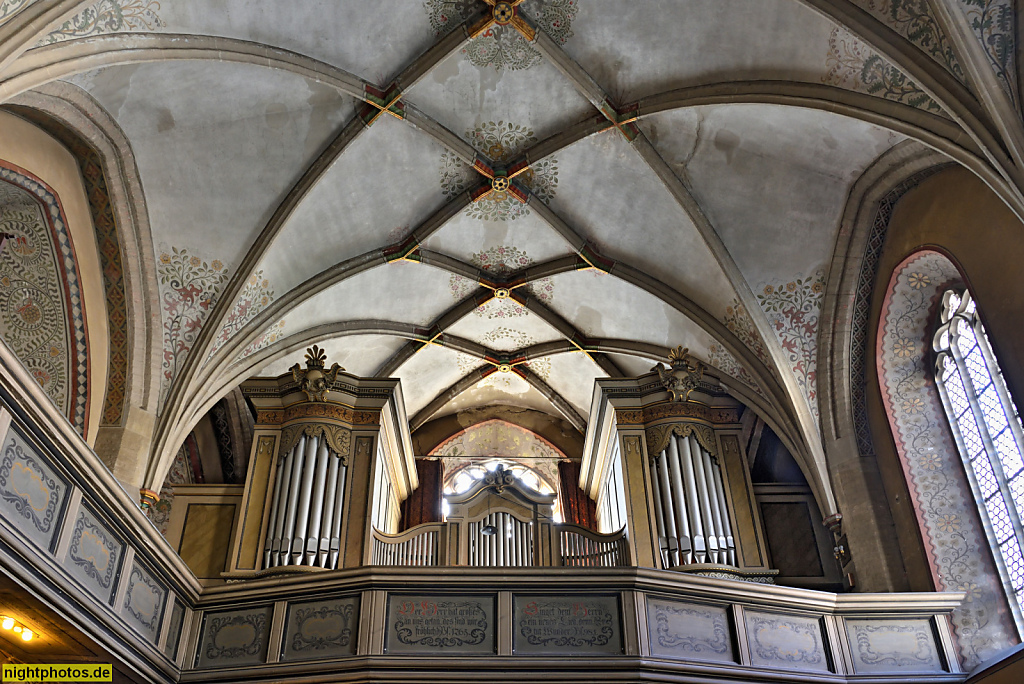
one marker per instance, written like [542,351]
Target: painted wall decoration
[500,439]
[893,646]
[502,47]
[569,625]
[792,309]
[739,323]
[31,494]
[109,244]
[995,26]
[266,338]
[42,316]
[720,358]
[144,602]
[913,19]
[8,8]
[95,554]
[951,529]
[235,638]
[688,630]
[108,16]
[790,642]
[256,295]
[502,260]
[500,142]
[507,339]
[324,629]
[855,66]
[440,625]
[189,288]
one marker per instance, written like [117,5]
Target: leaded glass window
[987,428]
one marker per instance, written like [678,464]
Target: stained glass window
[987,428]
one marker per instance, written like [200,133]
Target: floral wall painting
[502,47]
[42,316]
[855,66]
[914,20]
[502,260]
[189,289]
[792,309]
[256,295]
[108,16]
[500,142]
[951,529]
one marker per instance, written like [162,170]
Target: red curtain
[424,504]
[577,507]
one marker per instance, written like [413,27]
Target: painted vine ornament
[684,376]
[314,380]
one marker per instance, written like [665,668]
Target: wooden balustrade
[583,548]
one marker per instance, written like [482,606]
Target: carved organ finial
[684,376]
[314,380]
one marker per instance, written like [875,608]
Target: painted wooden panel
[569,625]
[690,631]
[95,554]
[902,645]
[441,625]
[233,638]
[32,494]
[789,642]
[144,602]
[206,537]
[174,626]
[321,629]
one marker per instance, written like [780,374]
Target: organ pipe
[306,508]
[691,510]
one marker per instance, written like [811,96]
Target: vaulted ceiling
[500,205]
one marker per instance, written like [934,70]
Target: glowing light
[26,635]
[7,623]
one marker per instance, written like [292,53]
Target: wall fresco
[42,317]
[256,295]
[108,16]
[189,288]
[501,142]
[793,308]
[502,47]
[954,539]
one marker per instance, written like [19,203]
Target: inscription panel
[441,625]
[94,557]
[144,602]
[690,631]
[321,629]
[32,494]
[232,638]
[893,646]
[791,642]
[566,625]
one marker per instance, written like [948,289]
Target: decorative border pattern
[84,525]
[954,540]
[78,411]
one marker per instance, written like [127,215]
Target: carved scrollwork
[658,436]
[338,438]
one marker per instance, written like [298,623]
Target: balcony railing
[500,540]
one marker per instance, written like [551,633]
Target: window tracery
[987,429]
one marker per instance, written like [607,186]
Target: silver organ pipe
[306,508]
[691,510]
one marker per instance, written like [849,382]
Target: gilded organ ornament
[314,380]
[684,376]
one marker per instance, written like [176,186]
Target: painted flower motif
[768,289]
[818,287]
[918,281]
[195,262]
[165,258]
[931,462]
[216,264]
[948,523]
[913,405]
[904,348]
[972,590]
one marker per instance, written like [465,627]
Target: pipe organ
[327,446]
[306,508]
[691,509]
[670,442]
